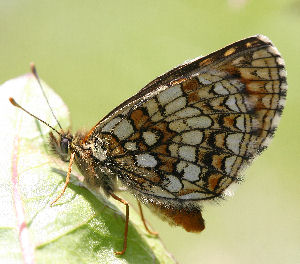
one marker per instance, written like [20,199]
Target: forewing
[188,134]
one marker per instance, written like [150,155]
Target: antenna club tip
[13,102]
[33,69]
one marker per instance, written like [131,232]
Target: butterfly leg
[126,223]
[67,179]
[144,221]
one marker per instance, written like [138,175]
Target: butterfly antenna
[34,72]
[14,103]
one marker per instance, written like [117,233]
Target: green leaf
[81,227]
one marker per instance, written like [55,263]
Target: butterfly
[186,136]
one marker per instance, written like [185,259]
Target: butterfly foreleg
[67,179]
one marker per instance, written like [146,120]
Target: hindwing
[188,134]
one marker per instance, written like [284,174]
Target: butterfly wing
[187,135]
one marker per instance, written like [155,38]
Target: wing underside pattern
[188,134]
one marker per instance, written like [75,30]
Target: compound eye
[64,145]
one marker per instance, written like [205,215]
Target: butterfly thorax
[90,159]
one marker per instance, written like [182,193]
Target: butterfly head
[61,145]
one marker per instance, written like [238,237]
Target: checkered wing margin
[188,134]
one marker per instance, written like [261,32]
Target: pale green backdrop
[97,53]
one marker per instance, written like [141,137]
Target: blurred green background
[96,54]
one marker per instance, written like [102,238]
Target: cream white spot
[203,81]
[178,126]
[221,74]
[146,160]
[175,105]
[229,163]
[172,183]
[280,61]
[273,50]
[123,129]
[282,73]
[275,120]
[261,54]
[230,190]
[231,103]
[99,153]
[264,38]
[111,124]
[192,137]
[240,123]
[263,73]
[169,94]
[130,145]
[181,165]
[266,142]
[233,142]
[156,117]
[283,87]
[173,148]
[281,102]
[177,139]
[199,122]
[219,89]
[151,106]
[187,153]
[150,138]
[187,112]
[191,172]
